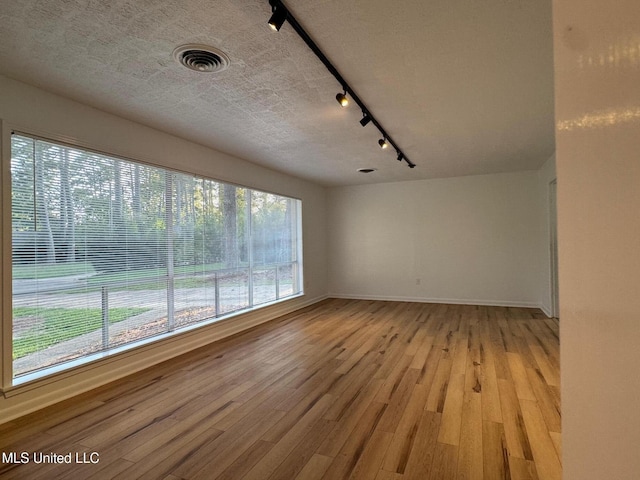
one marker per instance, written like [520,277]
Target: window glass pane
[274,246]
[108,252]
[264,285]
[286,280]
[234,290]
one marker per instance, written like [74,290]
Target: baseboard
[452,301]
[27,398]
[546,310]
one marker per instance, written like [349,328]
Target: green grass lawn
[116,280]
[188,276]
[23,272]
[56,325]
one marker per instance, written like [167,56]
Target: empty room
[271,239]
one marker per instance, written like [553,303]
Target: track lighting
[280,14]
[342,99]
[277,19]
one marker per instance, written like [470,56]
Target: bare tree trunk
[286,246]
[118,210]
[68,218]
[41,208]
[137,202]
[229,211]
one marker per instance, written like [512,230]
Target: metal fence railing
[263,283]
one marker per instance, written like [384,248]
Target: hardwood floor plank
[500,358]
[551,375]
[416,340]
[341,389]
[246,461]
[523,469]
[557,442]
[520,379]
[219,454]
[370,461]
[384,475]
[544,451]
[369,342]
[398,402]
[347,458]
[350,419]
[425,447]
[315,468]
[491,408]
[162,461]
[429,368]
[544,397]
[270,397]
[351,391]
[406,434]
[470,450]
[507,333]
[495,452]
[422,352]
[393,380]
[108,471]
[459,362]
[514,427]
[452,411]
[270,462]
[29,425]
[445,463]
[199,421]
[440,385]
[296,461]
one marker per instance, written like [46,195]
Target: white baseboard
[30,397]
[546,310]
[452,301]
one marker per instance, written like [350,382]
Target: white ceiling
[463,86]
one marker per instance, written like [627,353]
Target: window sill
[197,335]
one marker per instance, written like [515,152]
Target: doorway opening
[553,247]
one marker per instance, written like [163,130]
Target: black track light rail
[277,4]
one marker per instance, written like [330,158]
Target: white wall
[597,72]
[29,109]
[466,240]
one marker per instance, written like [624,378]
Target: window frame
[8,382]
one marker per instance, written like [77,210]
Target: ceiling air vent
[201,58]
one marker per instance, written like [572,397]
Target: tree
[67,209]
[42,211]
[230,211]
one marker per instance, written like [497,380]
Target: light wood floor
[343,389]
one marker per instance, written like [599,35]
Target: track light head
[278,18]
[281,14]
[342,99]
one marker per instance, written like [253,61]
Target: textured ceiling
[464,87]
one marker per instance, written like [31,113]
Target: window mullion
[248,197]
[170,238]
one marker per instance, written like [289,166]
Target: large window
[108,252]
